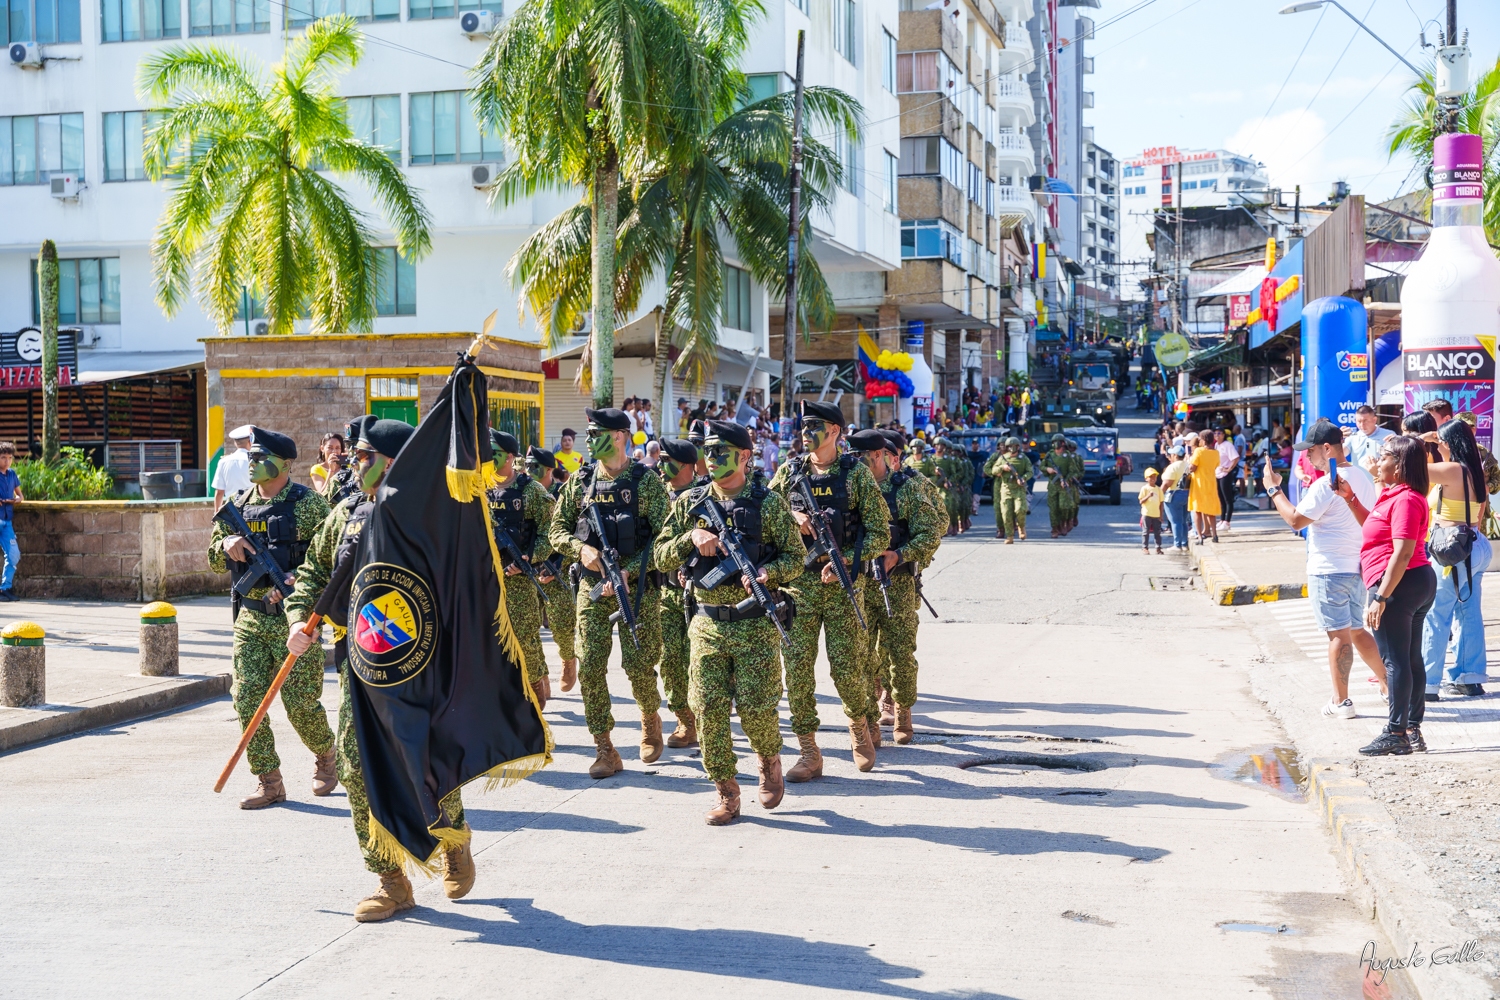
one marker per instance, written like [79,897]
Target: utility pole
[793,246]
[1179,309]
[1451,74]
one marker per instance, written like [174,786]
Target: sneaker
[1340,710]
[1473,690]
[1427,696]
[1452,690]
[1387,743]
[1414,737]
[9,594]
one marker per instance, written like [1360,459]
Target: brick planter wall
[115,550]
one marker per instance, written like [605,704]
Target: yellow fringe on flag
[384,845]
[468,485]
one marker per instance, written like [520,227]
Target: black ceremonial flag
[441,697]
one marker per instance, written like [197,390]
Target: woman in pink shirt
[1393,562]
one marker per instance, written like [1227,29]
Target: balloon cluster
[887,373]
[898,361]
[875,389]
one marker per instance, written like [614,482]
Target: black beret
[501,441]
[541,456]
[730,433]
[272,442]
[823,411]
[351,429]
[868,440]
[385,436]
[895,441]
[681,451]
[608,419]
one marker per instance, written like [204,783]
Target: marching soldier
[679,461]
[284,515]
[1011,470]
[336,539]
[631,502]
[735,647]
[522,507]
[561,604]
[1071,496]
[849,498]
[916,531]
[1057,467]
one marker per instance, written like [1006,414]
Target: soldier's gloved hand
[589,557]
[760,577]
[298,642]
[804,522]
[237,548]
[706,542]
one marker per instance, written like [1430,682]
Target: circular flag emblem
[394,628]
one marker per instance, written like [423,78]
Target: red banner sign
[1239,309]
[30,376]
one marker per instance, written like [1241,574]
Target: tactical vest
[831,491]
[619,501]
[741,513]
[360,509]
[508,506]
[276,523]
[900,530]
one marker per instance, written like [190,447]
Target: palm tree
[587,91]
[250,206]
[1412,132]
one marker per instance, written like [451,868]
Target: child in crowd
[1150,499]
[10,493]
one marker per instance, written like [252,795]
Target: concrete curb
[1227,589]
[54,721]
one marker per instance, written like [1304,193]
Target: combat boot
[872,730]
[903,734]
[542,688]
[570,674]
[458,870]
[393,896]
[1021,533]
[607,762]
[727,809]
[810,764]
[269,792]
[772,785]
[325,775]
[686,733]
[860,746]
[651,741]
[1008,541]
[887,707]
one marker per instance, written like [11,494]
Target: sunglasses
[811,425]
[720,452]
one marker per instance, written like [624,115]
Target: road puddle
[1276,769]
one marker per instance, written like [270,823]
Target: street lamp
[1298,8]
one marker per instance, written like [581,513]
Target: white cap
[243,432]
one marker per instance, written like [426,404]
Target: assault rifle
[555,567]
[882,578]
[609,560]
[824,544]
[729,539]
[260,563]
[507,544]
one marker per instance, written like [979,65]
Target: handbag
[1448,545]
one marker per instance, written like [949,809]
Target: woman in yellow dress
[1203,491]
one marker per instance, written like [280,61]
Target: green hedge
[74,477]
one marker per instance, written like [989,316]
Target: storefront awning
[1227,353]
[113,366]
[1253,396]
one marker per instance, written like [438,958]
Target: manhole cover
[1057,762]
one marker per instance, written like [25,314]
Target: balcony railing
[1018,38]
[1013,92]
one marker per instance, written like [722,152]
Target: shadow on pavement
[735,954]
[504,821]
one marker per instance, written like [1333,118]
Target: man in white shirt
[1364,444]
[232,476]
[1334,538]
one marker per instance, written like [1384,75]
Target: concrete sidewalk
[1259,559]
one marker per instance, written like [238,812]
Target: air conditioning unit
[478,23]
[484,175]
[26,55]
[65,186]
[260,328]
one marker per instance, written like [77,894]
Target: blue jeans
[11,550]
[1177,517]
[1463,619]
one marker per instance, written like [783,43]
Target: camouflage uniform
[734,664]
[312,580]
[893,637]
[1057,460]
[675,647]
[260,648]
[1012,503]
[1071,499]
[594,629]
[533,505]
[825,606]
[561,603]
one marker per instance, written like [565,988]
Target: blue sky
[1206,74]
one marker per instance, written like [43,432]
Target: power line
[1288,79]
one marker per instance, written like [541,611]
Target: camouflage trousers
[353,780]
[259,650]
[1011,507]
[735,666]
[595,637]
[561,612]
[824,607]
[892,650]
[524,609]
[1056,509]
[674,650]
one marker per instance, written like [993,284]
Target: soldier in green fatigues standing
[849,498]
[1056,466]
[916,531]
[336,540]
[678,468]
[1011,470]
[632,505]
[1073,477]
[561,602]
[522,507]
[284,515]
[736,650]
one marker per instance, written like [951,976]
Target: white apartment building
[78,115]
[1101,235]
[1209,177]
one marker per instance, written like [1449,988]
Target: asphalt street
[1079,818]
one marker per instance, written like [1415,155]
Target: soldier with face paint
[678,469]
[285,516]
[561,604]
[523,507]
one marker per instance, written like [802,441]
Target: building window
[132,20]
[762,86]
[392,397]
[989,198]
[928,155]
[395,283]
[124,143]
[301,12]
[892,172]
[735,311]
[377,120]
[888,64]
[443,130]
[34,147]
[926,72]
[228,17]
[976,185]
[43,21]
[88,291]
[845,28]
[848,153]
[422,10]
[928,238]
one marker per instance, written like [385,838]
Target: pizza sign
[21,358]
